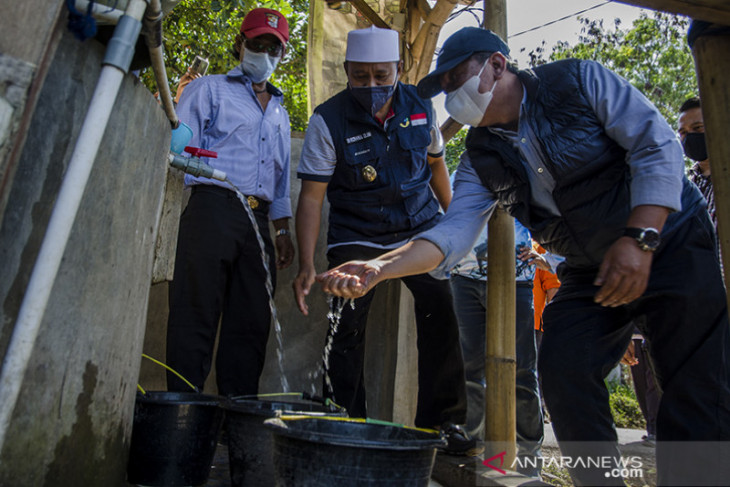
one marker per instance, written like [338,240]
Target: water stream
[269,287]
[336,305]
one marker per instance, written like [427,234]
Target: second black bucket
[174,438]
[345,452]
[250,443]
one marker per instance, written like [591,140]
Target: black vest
[592,177]
[398,202]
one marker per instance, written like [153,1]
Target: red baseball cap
[261,21]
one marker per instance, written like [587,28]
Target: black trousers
[219,276]
[441,386]
[687,329]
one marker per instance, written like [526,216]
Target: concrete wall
[391,355]
[29,35]
[73,420]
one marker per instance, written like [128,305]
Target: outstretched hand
[350,280]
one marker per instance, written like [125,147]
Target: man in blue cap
[591,168]
[375,151]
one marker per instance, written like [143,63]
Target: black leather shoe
[458,441]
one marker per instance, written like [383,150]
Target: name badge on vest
[369,173]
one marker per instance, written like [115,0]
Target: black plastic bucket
[250,443]
[350,452]
[174,438]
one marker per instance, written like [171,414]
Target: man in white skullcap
[375,150]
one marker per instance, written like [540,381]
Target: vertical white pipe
[54,243]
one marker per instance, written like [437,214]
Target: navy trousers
[441,390]
[687,330]
[470,301]
[219,277]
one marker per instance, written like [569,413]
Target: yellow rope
[171,370]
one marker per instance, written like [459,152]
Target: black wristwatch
[648,238]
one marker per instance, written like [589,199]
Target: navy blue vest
[398,202]
[592,177]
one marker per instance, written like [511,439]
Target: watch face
[650,239]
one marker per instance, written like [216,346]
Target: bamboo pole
[369,14]
[449,128]
[713,64]
[501,363]
[425,44]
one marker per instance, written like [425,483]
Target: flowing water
[269,288]
[334,316]
[336,305]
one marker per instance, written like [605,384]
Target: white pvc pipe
[49,258]
[102,13]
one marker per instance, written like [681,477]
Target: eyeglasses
[273,50]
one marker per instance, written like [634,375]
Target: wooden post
[501,364]
[713,64]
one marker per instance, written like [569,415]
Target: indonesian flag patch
[418,119]
[272,20]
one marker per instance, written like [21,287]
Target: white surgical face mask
[466,105]
[258,65]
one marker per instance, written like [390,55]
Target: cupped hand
[350,280]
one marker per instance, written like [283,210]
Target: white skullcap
[372,45]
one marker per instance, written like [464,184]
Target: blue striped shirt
[253,146]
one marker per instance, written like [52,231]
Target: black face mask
[694,146]
[372,98]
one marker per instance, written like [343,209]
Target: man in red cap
[219,273]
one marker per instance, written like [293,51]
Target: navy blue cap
[457,49]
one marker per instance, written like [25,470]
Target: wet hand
[301,286]
[624,273]
[350,280]
[284,251]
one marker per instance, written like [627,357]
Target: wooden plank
[717,11]
[713,64]
[369,14]
[424,8]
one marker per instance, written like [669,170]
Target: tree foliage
[209,27]
[652,55]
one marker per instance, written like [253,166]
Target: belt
[254,202]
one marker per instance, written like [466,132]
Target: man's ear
[399,70]
[499,64]
[237,46]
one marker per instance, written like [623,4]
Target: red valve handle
[198,152]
